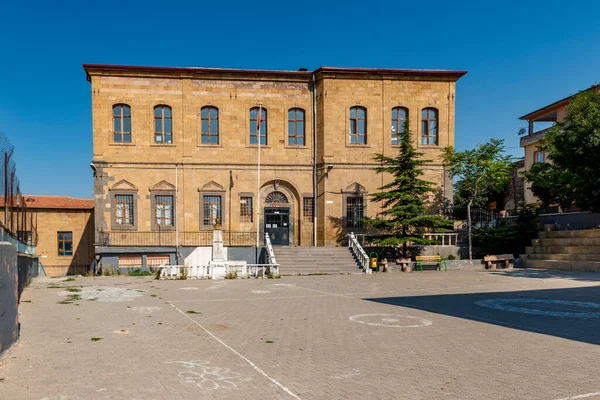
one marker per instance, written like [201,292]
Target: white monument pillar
[218,263]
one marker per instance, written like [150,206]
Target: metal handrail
[358,251]
[447,239]
[270,253]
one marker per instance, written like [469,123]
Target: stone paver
[318,337]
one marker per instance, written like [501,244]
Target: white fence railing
[232,269]
[358,251]
[445,239]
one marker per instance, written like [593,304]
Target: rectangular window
[308,209]
[124,209]
[212,210]
[121,123]
[164,211]
[65,243]
[24,236]
[157,260]
[246,209]
[354,211]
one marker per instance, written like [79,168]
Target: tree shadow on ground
[549,274]
[554,312]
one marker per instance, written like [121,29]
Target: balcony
[169,239]
[533,137]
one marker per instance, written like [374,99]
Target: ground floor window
[246,209]
[65,243]
[308,209]
[24,236]
[124,209]
[212,210]
[354,211]
[164,211]
[130,262]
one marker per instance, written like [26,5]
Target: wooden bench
[430,260]
[499,258]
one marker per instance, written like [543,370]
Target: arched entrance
[277,218]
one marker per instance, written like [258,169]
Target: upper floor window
[121,123]
[399,116]
[296,127]
[358,125]
[429,126]
[210,125]
[257,120]
[163,124]
[539,157]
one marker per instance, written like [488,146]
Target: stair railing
[358,251]
[270,253]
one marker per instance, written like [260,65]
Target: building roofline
[306,74]
[549,107]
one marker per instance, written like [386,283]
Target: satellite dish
[522,131]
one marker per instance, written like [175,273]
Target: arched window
[121,123]
[358,125]
[276,197]
[399,118]
[163,124]
[255,120]
[539,157]
[429,126]
[296,127]
[210,125]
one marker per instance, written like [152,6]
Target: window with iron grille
[254,113]
[121,123]
[212,210]
[358,125]
[246,209]
[124,209]
[354,211]
[399,115]
[210,125]
[308,209]
[164,210]
[296,127]
[65,243]
[163,124]
[429,126]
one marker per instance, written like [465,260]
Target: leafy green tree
[573,147]
[480,170]
[404,218]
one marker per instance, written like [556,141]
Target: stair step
[564,265]
[588,233]
[566,249]
[567,242]
[566,257]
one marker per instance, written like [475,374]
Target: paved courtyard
[522,334]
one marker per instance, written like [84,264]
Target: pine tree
[404,218]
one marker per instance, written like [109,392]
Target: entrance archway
[279,208]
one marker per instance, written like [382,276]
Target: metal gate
[277,225]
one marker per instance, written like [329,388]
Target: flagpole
[259,120]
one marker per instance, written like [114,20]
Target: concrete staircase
[565,250]
[316,260]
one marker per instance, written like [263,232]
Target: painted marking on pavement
[390,320]
[256,368]
[509,305]
[581,396]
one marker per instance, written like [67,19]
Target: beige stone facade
[142,169]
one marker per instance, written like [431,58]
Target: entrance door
[277,225]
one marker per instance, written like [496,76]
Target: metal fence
[16,220]
[171,238]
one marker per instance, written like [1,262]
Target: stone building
[175,150]
[64,232]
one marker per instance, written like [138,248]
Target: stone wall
[9,296]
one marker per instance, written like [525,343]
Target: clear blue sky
[520,55]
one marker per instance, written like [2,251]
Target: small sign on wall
[329,202]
